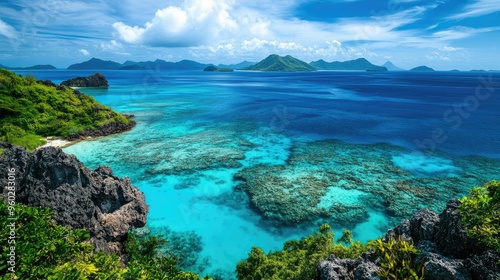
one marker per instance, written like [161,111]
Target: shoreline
[59,143]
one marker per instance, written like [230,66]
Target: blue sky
[443,34]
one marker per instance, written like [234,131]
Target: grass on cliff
[31,111]
[44,250]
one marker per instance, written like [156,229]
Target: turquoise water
[232,160]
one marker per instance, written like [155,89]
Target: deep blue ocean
[232,160]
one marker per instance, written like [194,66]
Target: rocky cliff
[96,80]
[445,250]
[97,200]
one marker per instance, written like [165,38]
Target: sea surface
[232,160]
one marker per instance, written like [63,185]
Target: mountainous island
[422,68]
[35,67]
[350,65]
[271,63]
[212,68]
[281,64]
[237,66]
[391,67]
[98,64]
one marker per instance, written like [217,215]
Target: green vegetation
[212,68]
[396,259]
[44,250]
[299,258]
[357,64]
[480,212]
[31,110]
[282,64]
[422,68]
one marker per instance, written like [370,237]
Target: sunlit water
[229,157]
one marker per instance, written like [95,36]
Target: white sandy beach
[56,142]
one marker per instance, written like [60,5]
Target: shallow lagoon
[242,159]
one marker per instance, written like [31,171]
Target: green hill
[94,64]
[31,110]
[281,64]
[360,64]
[422,69]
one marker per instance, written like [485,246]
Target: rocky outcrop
[96,80]
[97,200]
[105,130]
[445,251]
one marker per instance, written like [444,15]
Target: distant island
[360,64]
[278,63]
[35,67]
[96,80]
[237,66]
[391,67]
[422,68]
[98,64]
[212,68]
[273,62]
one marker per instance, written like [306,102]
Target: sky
[443,34]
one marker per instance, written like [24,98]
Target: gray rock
[361,268]
[97,200]
[445,251]
[334,268]
[423,225]
[484,266]
[450,237]
[438,267]
[366,271]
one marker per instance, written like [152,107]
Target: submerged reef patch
[336,182]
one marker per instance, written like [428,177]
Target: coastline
[59,143]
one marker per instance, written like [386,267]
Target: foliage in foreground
[480,212]
[32,110]
[396,259]
[45,250]
[299,258]
[480,217]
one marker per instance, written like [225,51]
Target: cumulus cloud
[7,30]
[84,52]
[191,25]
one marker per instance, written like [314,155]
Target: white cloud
[84,52]
[449,49]
[460,32]
[192,25]
[478,8]
[7,30]
[271,46]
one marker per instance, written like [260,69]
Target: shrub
[396,259]
[299,258]
[480,214]
[45,250]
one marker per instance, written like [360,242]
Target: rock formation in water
[97,200]
[445,249]
[95,80]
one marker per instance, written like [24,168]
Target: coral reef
[295,192]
